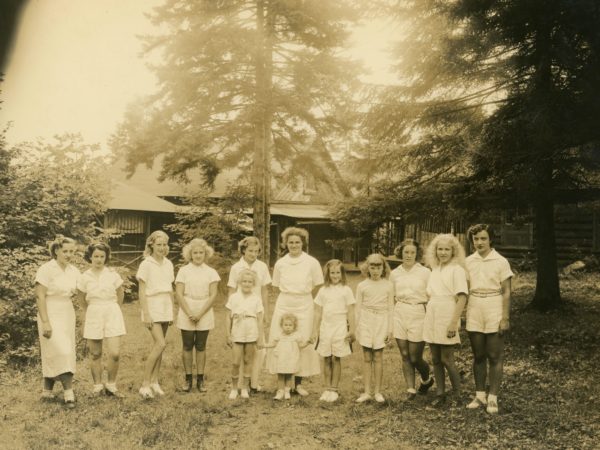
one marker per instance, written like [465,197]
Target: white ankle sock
[411,390]
[492,398]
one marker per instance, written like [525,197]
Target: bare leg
[237,355]
[438,369]
[378,369]
[95,349]
[336,371]
[150,371]
[367,368]
[478,345]
[495,353]
[448,362]
[113,346]
[415,350]
[327,366]
[164,326]
[408,370]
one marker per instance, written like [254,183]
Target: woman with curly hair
[447,290]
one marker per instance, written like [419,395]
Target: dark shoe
[70,404]
[200,387]
[424,387]
[439,401]
[410,396]
[187,386]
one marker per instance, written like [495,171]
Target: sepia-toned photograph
[299,224]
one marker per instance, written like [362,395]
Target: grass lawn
[550,396]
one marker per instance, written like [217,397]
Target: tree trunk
[547,288]
[262,128]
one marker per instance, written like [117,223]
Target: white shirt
[448,280]
[58,282]
[410,286]
[335,299]
[158,277]
[197,280]
[239,304]
[374,295]
[258,267]
[487,274]
[297,275]
[100,287]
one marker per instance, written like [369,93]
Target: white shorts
[372,329]
[437,319]
[160,307]
[244,329]
[206,322]
[408,321]
[103,320]
[332,339]
[484,314]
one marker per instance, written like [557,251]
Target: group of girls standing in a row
[315,315]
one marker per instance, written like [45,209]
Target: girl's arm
[228,328]
[316,323]
[144,303]
[40,299]
[212,296]
[261,333]
[505,322]
[271,344]
[179,291]
[458,309]
[264,295]
[390,315]
[352,324]
[120,295]
[81,299]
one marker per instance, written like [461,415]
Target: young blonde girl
[375,307]
[102,292]
[447,290]
[155,278]
[244,329]
[286,354]
[196,291]
[334,325]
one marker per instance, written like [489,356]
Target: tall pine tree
[244,83]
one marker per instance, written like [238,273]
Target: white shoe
[286,394]
[324,396]
[278,395]
[146,393]
[156,389]
[363,397]
[492,407]
[233,394]
[97,389]
[476,403]
[301,391]
[379,398]
[333,396]
[244,393]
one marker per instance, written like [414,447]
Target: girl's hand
[451,331]
[504,326]
[260,344]
[229,341]
[389,339]
[313,338]
[194,317]
[147,322]
[46,330]
[350,337]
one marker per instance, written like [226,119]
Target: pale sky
[76,64]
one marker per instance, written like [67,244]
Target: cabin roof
[126,197]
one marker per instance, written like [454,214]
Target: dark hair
[327,268]
[89,251]
[248,241]
[477,228]
[405,243]
[57,243]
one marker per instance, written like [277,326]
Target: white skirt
[58,351]
[408,321]
[160,307]
[438,316]
[302,307]
[206,322]
[102,320]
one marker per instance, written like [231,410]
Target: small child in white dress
[286,354]
[244,329]
[334,325]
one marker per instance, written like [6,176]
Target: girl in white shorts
[375,307]
[447,290]
[488,314]
[155,277]
[333,327]
[196,290]
[102,290]
[244,329]
[410,294]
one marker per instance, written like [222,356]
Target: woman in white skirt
[102,291]
[55,286]
[410,293]
[488,314]
[155,278]
[447,289]
[196,290]
[297,275]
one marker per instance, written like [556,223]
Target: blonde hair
[249,272]
[196,242]
[150,240]
[290,317]
[248,241]
[294,231]
[458,252]
[327,268]
[375,257]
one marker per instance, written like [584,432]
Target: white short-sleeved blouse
[197,280]
[100,288]
[487,274]
[297,275]
[158,276]
[335,299]
[58,282]
[410,286]
[374,295]
[448,280]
